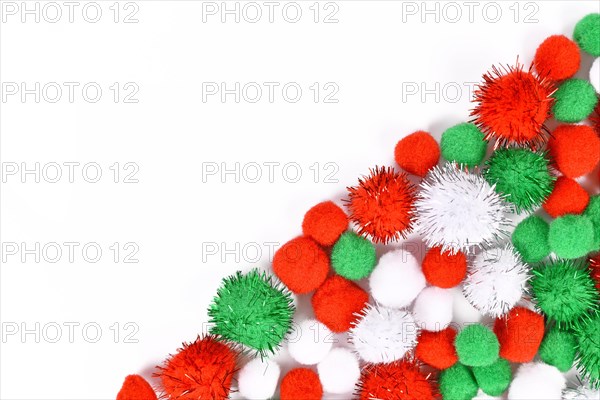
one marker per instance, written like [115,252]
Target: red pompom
[337,302]
[401,380]
[567,197]
[325,222]
[301,265]
[200,370]
[417,153]
[520,334]
[437,348]
[557,58]
[575,149]
[595,270]
[301,383]
[382,205]
[595,118]
[444,269]
[136,388]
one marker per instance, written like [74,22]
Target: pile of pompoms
[507,215]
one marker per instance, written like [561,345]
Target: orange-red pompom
[575,149]
[595,270]
[557,58]
[520,334]
[337,302]
[324,223]
[301,265]
[567,197]
[301,383]
[595,118]
[443,269]
[417,153]
[437,348]
[136,388]
[401,380]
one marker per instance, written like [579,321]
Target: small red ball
[437,348]
[575,149]
[520,334]
[324,223]
[444,270]
[401,380]
[595,270]
[301,383]
[301,265]
[417,153]
[136,388]
[567,197]
[557,58]
[337,302]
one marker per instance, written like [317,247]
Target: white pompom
[537,381]
[258,379]
[581,393]
[482,396]
[339,371]
[383,334]
[310,342]
[464,312]
[397,279]
[433,308]
[595,75]
[496,281]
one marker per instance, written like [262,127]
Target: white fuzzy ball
[482,396]
[258,379]
[397,279]
[383,334]
[595,75]
[581,393]
[339,371]
[464,312]
[310,342]
[433,308]
[537,381]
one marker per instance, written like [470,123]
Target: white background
[373,53]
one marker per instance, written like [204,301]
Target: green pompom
[587,332]
[587,34]
[575,100]
[530,238]
[593,213]
[457,383]
[464,143]
[558,349]
[564,290]
[353,256]
[571,236]
[477,346]
[252,309]
[493,379]
[522,175]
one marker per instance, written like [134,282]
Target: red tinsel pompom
[301,383]
[595,118]
[136,388]
[575,149]
[337,302]
[301,265]
[437,348]
[417,153]
[443,269]
[400,380]
[567,197]
[595,270]
[520,334]
[557,58]
[325,222]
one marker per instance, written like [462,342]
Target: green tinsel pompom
[530,238]
[575,100]
[477,346]
[587,34]
[252,309]
[522,175]
[353,256]
[457,383]
[493,379]
[593,213]
[558,349]
[464,144]
[587,332]
[571,236]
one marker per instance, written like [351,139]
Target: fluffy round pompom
[575,100]
[337,302]
[258,379]
[581,393]
[339,371]
[587,32]
[397,279]
[383,335]
[437,348]
[433,308]
[588,347]
[200,370]
[353,256]
[557,58]
[301,383]
[464,144]
[136,388]
[301,265]
[401,380]
[493,379]
[310,342]
[558,349]
[593,213]
[530,239]
[595,75]
[417,153]
[324,223]
[535,381]
[443,269]
[459,210]
[252,309]
[519,334]
[496,281]
[571,236]
[575,149]
[568,197]
[382,205]
[477,346]
[457,383]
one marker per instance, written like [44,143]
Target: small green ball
[587,34]
[530,238]
[571,236]
[593,213]
[464,144]
[477,346]
[353,256]
[588,347]
[494,379]
[575,100]
[558,349]
[457,383]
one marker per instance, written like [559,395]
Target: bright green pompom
[457,383]
[587,34]
[571,236]
[522,175]
[495,378]
[477,346]
[587,332]
[593,213]
[253,310]
[353,256]
[464,144]
[558,349]
[530,238]
[575,100]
